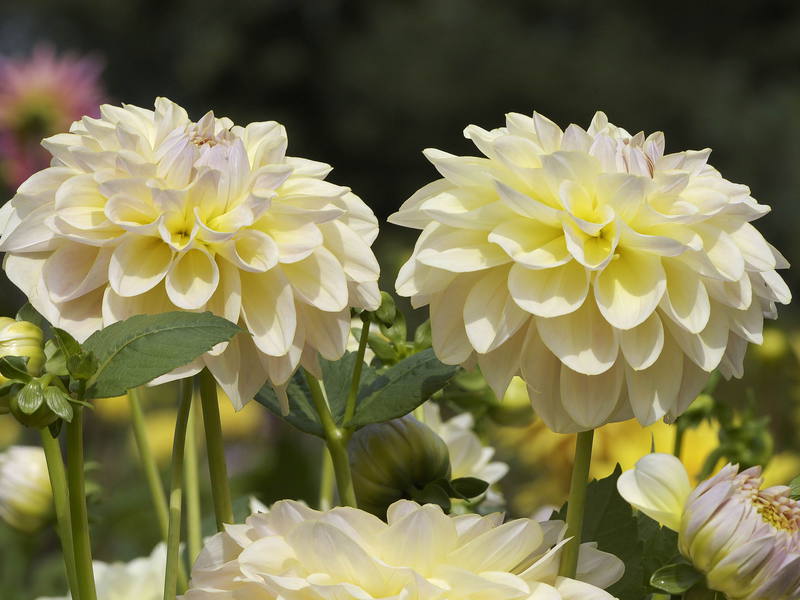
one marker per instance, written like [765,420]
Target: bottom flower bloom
[746,540]
[293,552]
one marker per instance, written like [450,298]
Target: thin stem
[218,470]
[191,472]
[149,465]
[58,483]
[337,443]
[326,481]
[77,504]
[176,492]
[577,503]
[355,382]
[678,440]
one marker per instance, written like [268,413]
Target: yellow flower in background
[611,276]
[26,499]
[147,211]
[293,552]
[744,539]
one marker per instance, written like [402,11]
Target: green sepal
[675,579]
[15,368]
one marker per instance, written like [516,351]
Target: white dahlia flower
[611,276]
[293,552]
[469,457]
[26,498]
[146,211]
[744,539]
[140,579]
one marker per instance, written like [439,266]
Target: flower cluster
[294,552]
[746,540]
[612,276]
[147,211]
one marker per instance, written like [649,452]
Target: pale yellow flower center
[780,512]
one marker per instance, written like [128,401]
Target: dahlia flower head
[26,499]
[147,211]
[746,540]
[42,94]
[140,579]
[295,553]
[611,276]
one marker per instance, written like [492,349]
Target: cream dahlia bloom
[293,552]
[139,579]
[611,276]
[468,456]
[744,539]
[147,211]
[26,499]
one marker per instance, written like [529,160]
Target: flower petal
[268,310]
[319,280]
[629,288]
[192,279]
[138,264]
[490,315]
[590,399]
[659,487]
[549,292]
[642,345]
[653,391]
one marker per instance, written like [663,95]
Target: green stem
[176,492]
[191,472]
[355,382]
[326,481]
[77,505]
[148,460]
[336,440]
[577,503]
[58,483]
[678,440]
[223,509]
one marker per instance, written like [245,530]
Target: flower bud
[21,338]
[30,407]
[394,460]
[25,495]
[744,539]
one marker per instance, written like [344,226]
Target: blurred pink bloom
[40,95]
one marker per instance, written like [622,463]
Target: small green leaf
[68,344]
[136,351]
[15,368]
[469,487]
[301,412]
[59,403]
[676,578]
[795,485]
[434,493]
[402,388]
[56,362]
[30,398]
[382,348]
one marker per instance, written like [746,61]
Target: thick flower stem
[218,470]
[77,505]
[58,483]
[176,493]
[191,473]
[149,465]
[336,440]
[326,481]
[577,503]
[355,383]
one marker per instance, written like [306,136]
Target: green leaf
[15,368]
[397,330]
[676,578]
[795,485]
[402,388]
[59,403]
[301,412]
[469,487]
[136,351]
[30,398]
[56,362]
[382,348]
[337,376]
[434,493]
[80,364]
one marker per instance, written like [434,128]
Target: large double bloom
[611,276]
[146,211]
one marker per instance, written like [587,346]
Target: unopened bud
[21,338]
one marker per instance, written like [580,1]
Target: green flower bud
[21,338]
[29,405]
[395,460]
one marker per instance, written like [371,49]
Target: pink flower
[40,95]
